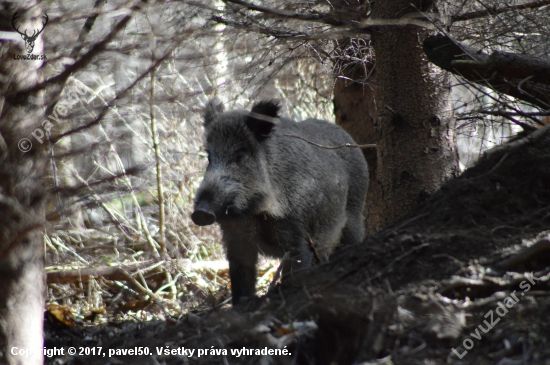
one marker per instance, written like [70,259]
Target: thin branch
[86,58]
[74,190]
[88,25]
[156,150]
[104,206]
[123,93]
[279,271]
[144,290]
[350,28]
[350,145]
[319,18]
[277,33]
[495,11]
[530,138]
[395,261]
[510,116]
[523,114]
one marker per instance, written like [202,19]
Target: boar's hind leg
[299,255]
[296,261]
[242,270]
[354,231]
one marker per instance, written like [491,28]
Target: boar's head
[236,182]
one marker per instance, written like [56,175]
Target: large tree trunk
[405,108]
[21,193]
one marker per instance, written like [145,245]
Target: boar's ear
[267,107]
[263,117]
[212,108]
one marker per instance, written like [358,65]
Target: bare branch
[86,58]
[495,11]
[277,33]
[349,28]
[479,67]
[510,116]
[362,146]
[319,18]
[121,94]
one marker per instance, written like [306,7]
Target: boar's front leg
[242,257]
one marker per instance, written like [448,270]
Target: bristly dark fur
[267,107]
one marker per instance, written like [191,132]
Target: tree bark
[520,76]
[355,111]
[408,113]
[21,193]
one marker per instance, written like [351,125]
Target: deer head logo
[29,39]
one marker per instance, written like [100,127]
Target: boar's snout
[203,214]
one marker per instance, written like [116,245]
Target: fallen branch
[507,73]
[538,248]
[488,286]
[119,272]
[107,272]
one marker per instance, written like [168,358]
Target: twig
[73,190]
[145,291]
[505,9]
[362,146]
[312,248]
[160,192]
[523,114]
[384,270]
[525,126]
[104,206]
[277,33]
[320,18]
[408,221]
[278,272]
[123,93]
[530,138]
[62,77]
[494,167]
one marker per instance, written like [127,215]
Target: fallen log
[524,77]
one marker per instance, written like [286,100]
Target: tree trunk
[407,112]
[21,192]
[355,111]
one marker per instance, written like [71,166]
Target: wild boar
[273,193]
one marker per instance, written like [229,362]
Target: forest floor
[463,280]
